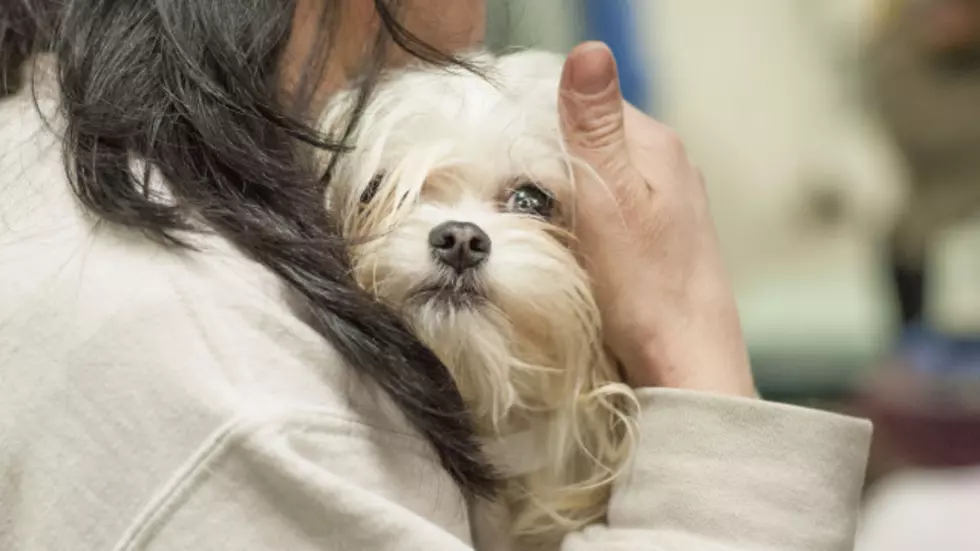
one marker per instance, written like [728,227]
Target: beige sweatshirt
[160,400]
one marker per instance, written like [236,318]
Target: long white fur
[529,361]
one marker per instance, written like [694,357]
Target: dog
[456,198]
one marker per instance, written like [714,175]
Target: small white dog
[456,199]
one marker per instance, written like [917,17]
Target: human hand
[647,239]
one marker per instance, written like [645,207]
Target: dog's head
[457,200]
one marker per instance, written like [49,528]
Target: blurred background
[841,144]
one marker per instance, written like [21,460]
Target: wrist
[693,364]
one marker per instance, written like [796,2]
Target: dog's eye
[372,188]
[530,198]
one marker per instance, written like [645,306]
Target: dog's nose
[459,245]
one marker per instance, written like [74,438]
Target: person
[186,365]
[924,81]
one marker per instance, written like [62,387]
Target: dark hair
[194,88]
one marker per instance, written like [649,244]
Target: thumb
[591,106]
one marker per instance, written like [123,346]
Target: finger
[592,108]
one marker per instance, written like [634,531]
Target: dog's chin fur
[521,333]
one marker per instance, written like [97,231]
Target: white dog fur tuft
[522,336]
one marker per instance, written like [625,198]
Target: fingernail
[592,68]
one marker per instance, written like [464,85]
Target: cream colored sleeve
[712,474]
[727,474]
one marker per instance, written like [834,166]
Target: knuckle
[593,121]
[702,182]
[598,129]
[672,143]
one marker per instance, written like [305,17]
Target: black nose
[459,245]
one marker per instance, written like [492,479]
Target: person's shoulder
[88,294]
[165,374]
[84,291]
